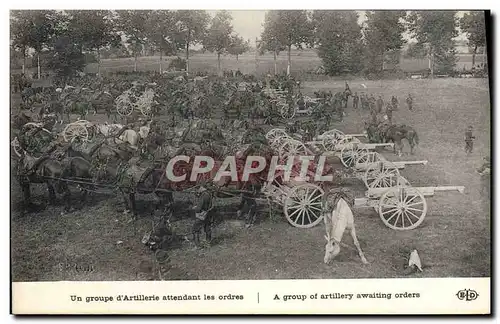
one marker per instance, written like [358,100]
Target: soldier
[300,102]
[485,172]
[380,104]
[374,117]
[409,102]
[388,112]
[469,140]
[395,103]
[372,101]
[249,204]
[355,100]
[203,219]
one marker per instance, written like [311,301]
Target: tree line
[344,45]
[67,35]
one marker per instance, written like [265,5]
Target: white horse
[338,217]
[129,136]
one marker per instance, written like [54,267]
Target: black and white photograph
[192,145]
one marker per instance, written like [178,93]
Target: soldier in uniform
[388,112]
[469,140]
[355,100]
[380,104]
[372,101]
[249,205]
[394,102]
[374,117]
[409,102]
[364,101]
[485,172]
[203,219]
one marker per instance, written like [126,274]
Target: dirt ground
[97,243]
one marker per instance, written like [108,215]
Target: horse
[396,134]
[53,172]
[103,100]
[338,217]
[372,132]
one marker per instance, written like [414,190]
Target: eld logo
[467,295]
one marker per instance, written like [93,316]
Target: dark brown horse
[396,134]
[54,173]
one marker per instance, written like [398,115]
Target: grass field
[302,61]
[453,240]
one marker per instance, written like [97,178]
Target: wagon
[376,171]
[401,207]
[127,102]
[301,201]
[347,147]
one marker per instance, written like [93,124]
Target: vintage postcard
[250,161]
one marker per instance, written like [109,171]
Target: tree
[472,24]
[436,30]
[383,34]
[416,50]
[338,38]
[20,31]
[218,38]
[32,29]
[191,27]
[270,40]
[287,28]
[160,30]
[67,57]
[133,24]
[93,30]
[238,46]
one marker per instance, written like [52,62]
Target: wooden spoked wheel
[34,139]
[292,147]
[274,134]
[303,205]
[350,154]
[279,141]
[286,111]
[124,108]
[367,158]
[16,146]
[331,138]
[76,131]
[402,208]
[146,110]
[382,174]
